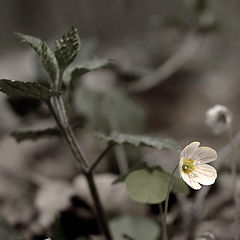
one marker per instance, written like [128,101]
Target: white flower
[219,118]
[193,168]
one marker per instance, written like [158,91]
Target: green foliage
[135,227]
[77,69]
[35,134]
[33,42]
[6,231]
[128,115]
[179,186]
[50,63]
[150,185]
[26,89]
[147,186]
[67,48]
[137,166]
[140,140]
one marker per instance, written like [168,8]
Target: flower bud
[219,118]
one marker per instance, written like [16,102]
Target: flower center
[188,165]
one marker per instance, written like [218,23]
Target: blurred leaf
[67,48]
[50,63]
[87,103]
[140,140]
[147,186]
[136,227]
[199,6]
[35,43]
[137,166]
[7,232]
[26,89]
[179,186]
[128,115]
[78,69]
[35,134]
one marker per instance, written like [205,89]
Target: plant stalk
[58,110]
[165,235]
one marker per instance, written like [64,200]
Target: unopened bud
[219,118]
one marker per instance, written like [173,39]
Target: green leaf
[7,232]
[147,186]
[140,140]
[179,186]
[35,134]
[67,48]
[33,42]
[50,63]
[26,89]
[135,227]
[78,69]
[137,166]
[48,59]
[128,114]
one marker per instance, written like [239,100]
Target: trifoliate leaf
[147,186]
[67,48]
[35,134]
[134,227]
[140,140]
[50,63]
[76,70]
[26,89]
[34,42]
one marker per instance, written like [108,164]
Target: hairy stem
[58,110]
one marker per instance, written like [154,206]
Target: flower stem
[58,111]
[165,235]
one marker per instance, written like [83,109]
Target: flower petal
[190,181]
[204,155]
[205,174]
[188,151]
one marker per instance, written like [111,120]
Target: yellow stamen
[188,165]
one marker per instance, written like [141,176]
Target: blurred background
[173,60]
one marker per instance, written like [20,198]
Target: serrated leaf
[35,134]
[147,186]
[67,48]
[34,42]
[26,89]
[50,63]
[76,70]
[140,140]
[135,227]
